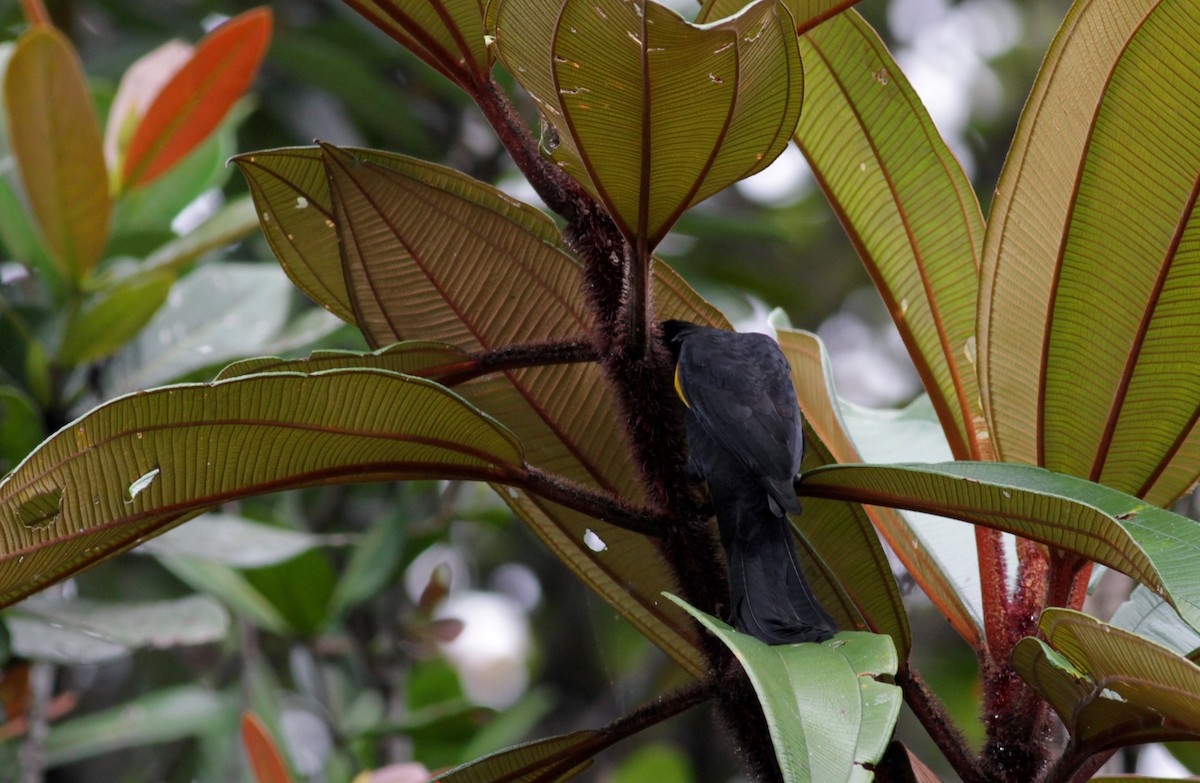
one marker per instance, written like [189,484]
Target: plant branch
[993,579]
[933,716]
[535,354]
[643,717]
[559,192]
[608,508]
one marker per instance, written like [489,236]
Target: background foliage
[335,641]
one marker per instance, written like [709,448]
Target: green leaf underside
[1108,102]
[447,34]
[55,138]
[826,713]
[525,763]
[1030,210]
[1109,686]
[1157,547]
[1132,426]
[718,102]
[142,463]
[906,205]
[812,374]
[561,414]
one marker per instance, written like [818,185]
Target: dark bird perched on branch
[745,440]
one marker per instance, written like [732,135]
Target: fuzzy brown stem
[933,716]
[609,508]
[643,717]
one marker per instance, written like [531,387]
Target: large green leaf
[446,34]
[1157,547]
[653,113]
[144,462]
[920,544]
[904,201]
[405,233]
[1087,321]
[562,414]
[906,205]
[55,138]
[1109,686]
[827,715]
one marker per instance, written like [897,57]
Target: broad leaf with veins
[653,113]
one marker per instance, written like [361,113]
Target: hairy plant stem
[614,510]
[638,367]
[514,357]
[933,716]
[643,717]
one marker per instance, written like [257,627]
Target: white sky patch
[784,182]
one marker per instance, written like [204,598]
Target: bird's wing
[739,387]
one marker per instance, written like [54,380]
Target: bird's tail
[771,597]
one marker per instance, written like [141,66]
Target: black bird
[746,440]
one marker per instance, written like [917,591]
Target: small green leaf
[113,317]
[659,762]
[372,565]
[826,712]
[299,589]
[228,585]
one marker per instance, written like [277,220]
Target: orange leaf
[198,97]
[265,759]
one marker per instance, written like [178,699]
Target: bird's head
[673,333]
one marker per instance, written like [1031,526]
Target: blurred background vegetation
[374,624]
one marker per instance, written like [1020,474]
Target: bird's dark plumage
[745,439]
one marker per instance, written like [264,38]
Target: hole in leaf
[140,484]
[41,510]
[593,541]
